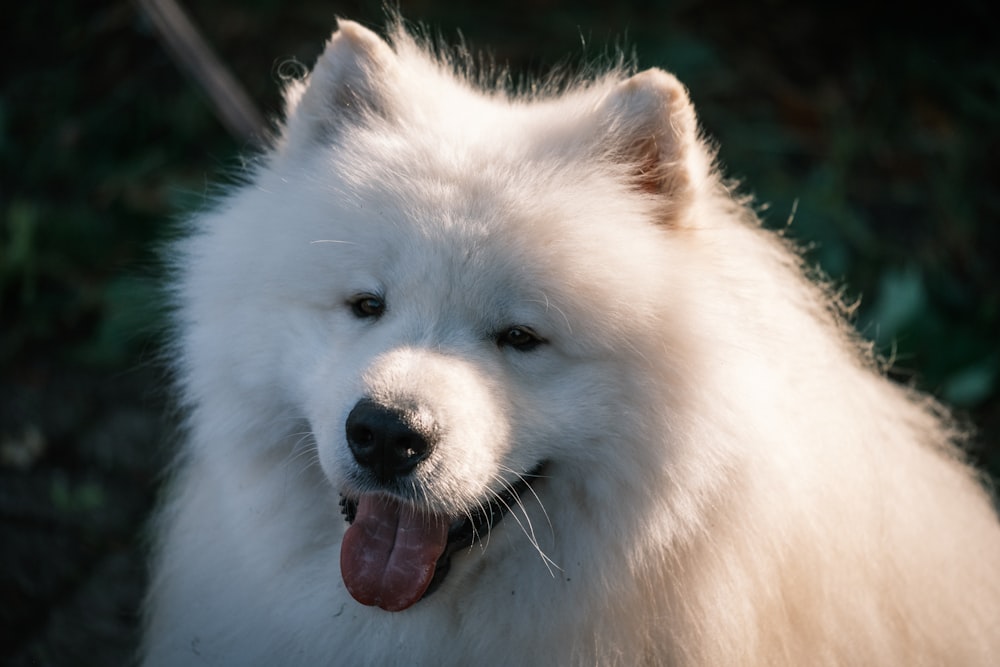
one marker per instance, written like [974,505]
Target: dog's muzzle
[395,553]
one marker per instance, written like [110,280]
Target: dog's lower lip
[476,524]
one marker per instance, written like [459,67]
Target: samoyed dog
[494,377]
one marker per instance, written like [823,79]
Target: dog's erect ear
[346,84]
[653,128]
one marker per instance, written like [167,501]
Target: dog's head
[466,292]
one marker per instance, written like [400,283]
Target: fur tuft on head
[643,125]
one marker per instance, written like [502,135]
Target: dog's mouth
[393,556]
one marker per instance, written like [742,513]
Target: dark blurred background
[878,128]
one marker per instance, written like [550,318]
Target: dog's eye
[367,306]
[520,338]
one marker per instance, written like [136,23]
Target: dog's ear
[653,129]
[346,85]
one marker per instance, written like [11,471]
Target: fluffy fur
[729,479]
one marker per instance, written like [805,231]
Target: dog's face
[455,364]
[459,290]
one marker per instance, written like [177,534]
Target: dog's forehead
[481,151]
[522,264]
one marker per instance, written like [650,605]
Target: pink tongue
[388,554]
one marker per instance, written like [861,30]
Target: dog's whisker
[523,477]
[526,525]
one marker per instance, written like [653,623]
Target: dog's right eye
[520,338]
[367,306]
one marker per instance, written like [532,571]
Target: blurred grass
[879,129]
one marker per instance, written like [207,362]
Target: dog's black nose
[385,442]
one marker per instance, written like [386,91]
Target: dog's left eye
[367,306]
[520,338]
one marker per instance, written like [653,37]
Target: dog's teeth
[349,508]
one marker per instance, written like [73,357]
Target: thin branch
[192,53]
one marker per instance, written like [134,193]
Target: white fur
[732,481]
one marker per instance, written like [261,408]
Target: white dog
[496,378]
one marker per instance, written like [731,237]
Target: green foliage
[96,127]
[70,498]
